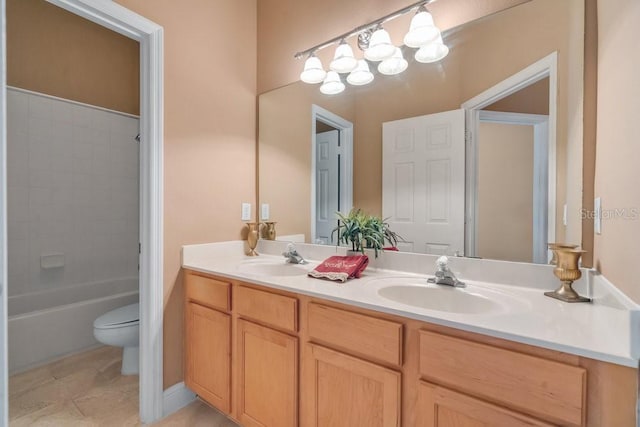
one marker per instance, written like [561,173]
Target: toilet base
[130,361]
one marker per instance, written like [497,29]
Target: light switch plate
[246,211]
[597,217]
[564,215]
[264,212]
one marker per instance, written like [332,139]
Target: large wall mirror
[477,155]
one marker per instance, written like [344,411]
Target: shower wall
[72,193]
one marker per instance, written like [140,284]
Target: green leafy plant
[363,231]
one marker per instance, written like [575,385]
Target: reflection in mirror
[512,141]
[331,171]
[497,201]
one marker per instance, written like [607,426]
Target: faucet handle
[442,262]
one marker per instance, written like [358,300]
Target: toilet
[120,328]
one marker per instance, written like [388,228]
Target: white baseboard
[176,397]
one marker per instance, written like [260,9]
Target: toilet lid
[123,316]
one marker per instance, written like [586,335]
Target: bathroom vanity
[270,347]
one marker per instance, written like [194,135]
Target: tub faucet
[444,276]
[292,255]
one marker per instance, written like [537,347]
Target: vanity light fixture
[332,84]
[394,65]
[432,52]
[361,75]
[313,72]
[380,47]
[343,61]
[422,30]
[377,46]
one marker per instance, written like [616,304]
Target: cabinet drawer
[272,309]
[358,334]
[207,291]
[548,389]
[438,407]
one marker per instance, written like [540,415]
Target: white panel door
[423,181]
[327,184]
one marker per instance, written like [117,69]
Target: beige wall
[209,135]
[617,249]
[285,152]
[533,99]
[55,52]
[505,192]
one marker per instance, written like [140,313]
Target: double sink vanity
[269,346]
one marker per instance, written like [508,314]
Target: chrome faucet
[292,255]
[444,276]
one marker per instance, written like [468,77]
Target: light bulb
[343,59]
[422,30]
[361,75]
[313,72]
[432,52]
[394,65]
[332,84]
[380,47]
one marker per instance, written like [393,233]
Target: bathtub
[47,325]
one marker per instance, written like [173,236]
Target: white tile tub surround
[607,329]
[72,190]
[44,326]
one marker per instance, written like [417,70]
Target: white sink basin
[469,300]
[454,300]
[273,268]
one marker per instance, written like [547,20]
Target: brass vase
[567,270]
[269,230]
[252,237]
[553,246]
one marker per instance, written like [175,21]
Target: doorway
[331,172]
[149,35]
[544,159]
[506,144]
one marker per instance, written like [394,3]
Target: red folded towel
[341,268]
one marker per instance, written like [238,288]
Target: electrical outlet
[264,214]
[246,211]
[597,217]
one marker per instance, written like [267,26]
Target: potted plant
[363,231]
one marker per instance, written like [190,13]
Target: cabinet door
[342,390]
[208,355]
[441,407]
[267,362]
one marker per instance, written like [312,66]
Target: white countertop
[603,330]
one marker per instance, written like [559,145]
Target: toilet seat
[122,317]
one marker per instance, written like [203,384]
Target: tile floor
[87,389]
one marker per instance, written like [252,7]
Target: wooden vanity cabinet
[275,359]
[345,391]
[266,359]
[351,369]
[208,340]
[547,389]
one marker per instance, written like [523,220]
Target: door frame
[545,67]
[542,205]
[150,36]
[345,128]
[4,353]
